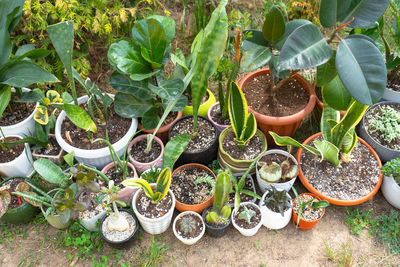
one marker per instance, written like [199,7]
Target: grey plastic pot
[92,223]
[384,153]
[391,191]
[391,95]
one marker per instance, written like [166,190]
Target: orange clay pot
[162,133]
[283,126]
[197,207]
[303,224]
[335,201]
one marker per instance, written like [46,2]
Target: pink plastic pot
[220,127]
[140,166]
[126,193]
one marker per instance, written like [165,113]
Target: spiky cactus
[221,212]
[188,224]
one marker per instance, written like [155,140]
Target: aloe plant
[221,212]
[244,125]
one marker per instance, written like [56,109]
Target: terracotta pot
[220,127]
[335,201]
[237,165]
[283,126]
[303,224]
[197,207]
[162,133]
[126,193]
[203,110]
[57,159]
[143,166]
[321,105]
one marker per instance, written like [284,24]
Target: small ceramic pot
[143,166]
[215,231]
[126,193]
[154,226]
[203,110]
[275,220]
[55,221]
[303,224]
[57,159]
[391,191]
[20,166]
[162,133]
[220,127]
[185,240]
[251,231]
[197,207]
[92,223]
[264,185]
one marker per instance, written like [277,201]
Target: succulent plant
[247,214]
[278,199]
[220,212]
[187,224]
[273,172]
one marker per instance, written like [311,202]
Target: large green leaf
[22,73]
[237,110]
[168,26]
[336,95]
[29,51]
[255,37]
[50,172]
[291,26]
[362,69]
[286,140]
[123,83]
[148,35]
[5,96]
[125,58]
[79,117]
[211,50]
[256,57]
[365,12]
[332,11]
[330,117]
[150,118]
[34,95]
[306,47]
[274,24]
[174,148]
[168,89]
[326,72]
[128,106]
[328,151]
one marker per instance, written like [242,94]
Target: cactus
[188,224]
[221,212]
[247,214]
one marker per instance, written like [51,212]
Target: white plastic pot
[96,157]
[391,95]
[91,224]
[391,191]
[185,240]
[23,128]
[252,231]
[154,226]
[20,166]
[280,186]
[272,219]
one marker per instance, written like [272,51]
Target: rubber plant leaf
[50,172]
[291,26]
[79,117]
[5,97]
[274,24]
[174,148]
[365,12]
[211,49]
[122,83]
[305,47]
[254,37]
[326,72]
[361,68]
[256,57]
[286,140]
[328,151]
[332,11]
[163,182]
[336,95]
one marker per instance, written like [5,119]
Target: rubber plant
[17,70]
[220,212]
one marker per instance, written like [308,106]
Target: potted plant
[245,188]
[308,210]
[380,128]
[217,217]
[153,204]
[248,219]
[119,226]
[13,208]
[15,159]
[90,116]
[299,44]
[241,143]
[391,182]
[276,207]
[18,71]
[276,168]
[188,227]
[142,160]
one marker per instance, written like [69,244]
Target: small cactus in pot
[220,212]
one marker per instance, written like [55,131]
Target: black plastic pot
[123,243]
[215,231]
[205,156]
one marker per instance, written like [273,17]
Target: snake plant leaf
[5,97]
[238,110]
[291,26]
[349,141]
[362,69]
[79,117]
[306,47]
[330,117]
[163,182]
[328,151]
[274,24]
[251,127]
[256,57]
[148,35]
[168,25]
[254,37]
[50,172]
[168,89]
[365,12]
[335,94]
[125,58]
[22,73]
[286,140]
[5,200]
[138,182]
[332,11]
[128,106]
[326,72]
[174,148]
[211,49]
[122,83]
